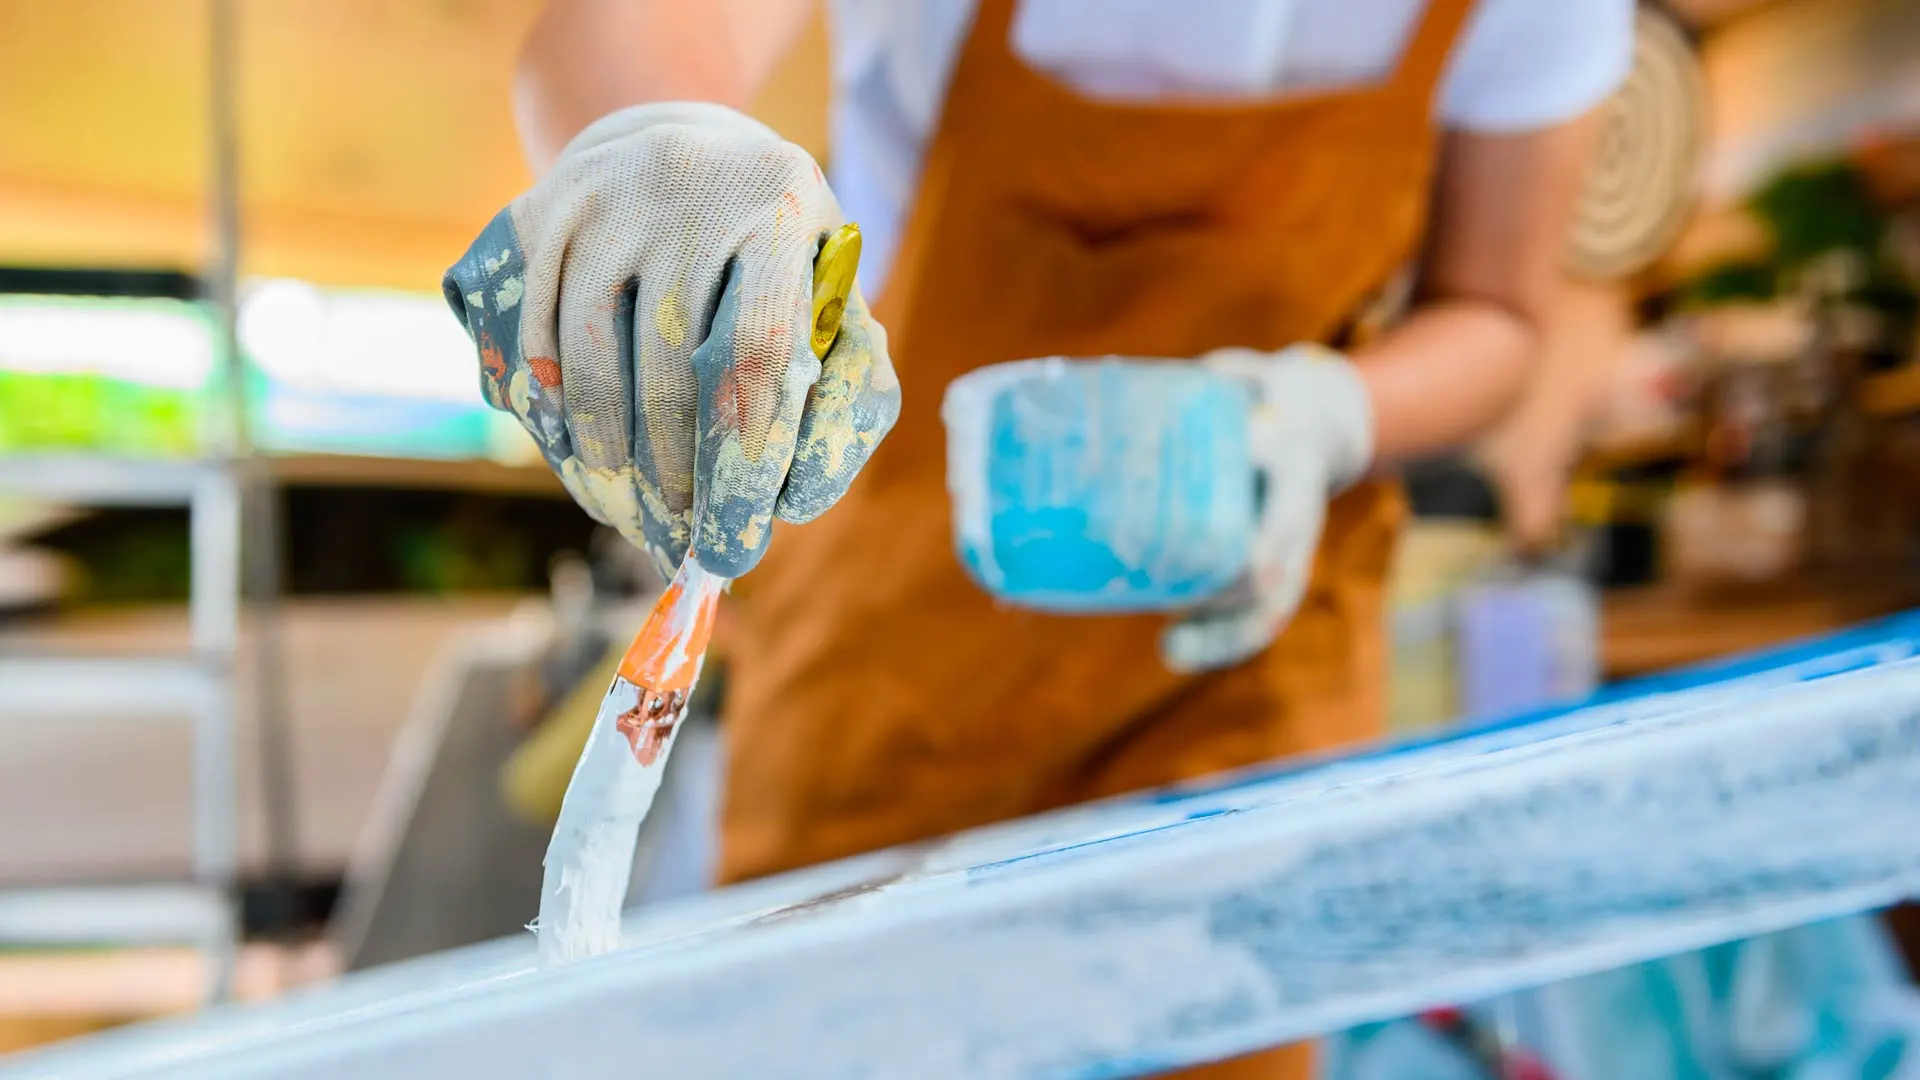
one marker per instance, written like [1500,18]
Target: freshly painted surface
[1121,938]
[590,859]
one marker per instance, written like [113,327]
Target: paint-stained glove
[644,310]
[1311,436]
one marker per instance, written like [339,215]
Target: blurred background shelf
[116,781]
[42,684]
[1891,394]
[1647,630]
[162,914]
[352,470]
[189,693]
[95,480]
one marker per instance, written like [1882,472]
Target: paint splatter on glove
[644,310]
[1311,436]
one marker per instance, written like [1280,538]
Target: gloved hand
[644,310]
[1311,436]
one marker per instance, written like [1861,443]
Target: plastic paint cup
[1100,485]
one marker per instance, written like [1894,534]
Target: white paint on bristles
[590,857]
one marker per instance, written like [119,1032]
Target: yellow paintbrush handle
[832,281]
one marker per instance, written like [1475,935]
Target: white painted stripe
[1136,935]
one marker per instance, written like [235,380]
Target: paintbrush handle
[614,783]
[833,273]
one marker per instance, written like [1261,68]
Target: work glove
[1310,433]
[645,311]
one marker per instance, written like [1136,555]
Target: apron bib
[876,696]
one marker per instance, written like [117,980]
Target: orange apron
[876,695]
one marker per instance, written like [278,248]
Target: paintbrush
[619,771]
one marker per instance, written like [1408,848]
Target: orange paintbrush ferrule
[665,659]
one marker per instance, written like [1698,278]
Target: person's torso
[880,694]
[893,62]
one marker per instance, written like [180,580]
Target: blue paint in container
[1100,486]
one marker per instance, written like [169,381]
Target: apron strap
[1422,62]
[993,25]
[1424,59]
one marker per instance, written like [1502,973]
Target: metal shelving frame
[199,685]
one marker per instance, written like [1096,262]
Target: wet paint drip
[649,725]
[665,656]
[665,659]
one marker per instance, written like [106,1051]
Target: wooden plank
[1129,937]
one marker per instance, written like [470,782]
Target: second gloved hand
[1311,436]
[644,310]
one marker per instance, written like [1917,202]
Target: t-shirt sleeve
[1528,64]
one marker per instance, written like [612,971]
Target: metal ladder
[198,685]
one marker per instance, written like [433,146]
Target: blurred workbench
[1646,630]
[118,786]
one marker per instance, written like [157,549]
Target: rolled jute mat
[1640,184]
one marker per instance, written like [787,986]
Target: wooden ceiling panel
[376,137]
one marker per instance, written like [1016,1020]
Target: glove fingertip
[819,479]
[727,559]
[799,504]
[484,289]
[850,410]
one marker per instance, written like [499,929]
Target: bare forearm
[1503,206]
[586,58]
[1444,376]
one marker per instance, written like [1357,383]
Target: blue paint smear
[1115,487]
[1114,1070]
[1871,644]
[988,868]
[1882,641]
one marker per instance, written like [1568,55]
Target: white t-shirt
[1519,65]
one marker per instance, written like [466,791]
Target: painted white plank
[1135,935]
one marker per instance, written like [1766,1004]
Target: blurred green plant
[1812,209]
[1810,213]
[1737,281]
[142,561]
[456,558]
[67,411]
